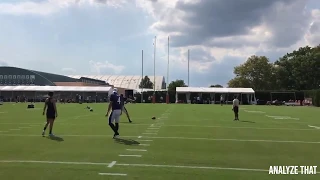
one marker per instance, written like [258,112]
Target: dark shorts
[236,109]
[221,102]
[51,115]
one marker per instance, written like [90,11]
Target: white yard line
[112,174]
[144,144]
[146,140]
[184,138]
[150,133]
[14,129]
[138,150]
[112,164]
[136,165]
[314,127]
[128,155]
[153,128]
[4,131]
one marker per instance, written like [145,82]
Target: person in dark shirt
[124,109]
[51,113]
[115,106]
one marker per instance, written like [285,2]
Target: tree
[217,86]
[257,73]
[177,83]
[299,70]
[146,83]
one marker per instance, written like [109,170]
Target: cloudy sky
[107,36]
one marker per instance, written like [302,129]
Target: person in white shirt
[235,108]
[221,100]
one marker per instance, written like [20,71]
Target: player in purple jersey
[115,106]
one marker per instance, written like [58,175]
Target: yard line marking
[136,165]
[259,112]
[54,162]
[24,127]
[184,138]
[142,150]
[14,129]
[150,133]
[112,164]
[3,131]
[314,127]
[112,174]
[139,137]
[153,128]
[146,140]
[123,155]
[144,144]
[3,112]
[193,167]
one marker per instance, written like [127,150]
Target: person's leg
[111,119]
[127,114]
[51,121]
[45,127]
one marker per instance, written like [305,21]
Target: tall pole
[142,77]
[154,70]
[167,97]
[188,67]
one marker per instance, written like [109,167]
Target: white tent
[187,90]
[98,89]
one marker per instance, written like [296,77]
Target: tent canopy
[214,90]
[100,89]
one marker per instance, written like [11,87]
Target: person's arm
[110,105]
[55,107]
[45,106]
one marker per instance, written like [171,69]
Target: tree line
[298,70]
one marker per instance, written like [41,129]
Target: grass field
[185,142]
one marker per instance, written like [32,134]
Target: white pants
[115,116]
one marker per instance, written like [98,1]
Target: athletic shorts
[115,116]
[51,115]
[236,109]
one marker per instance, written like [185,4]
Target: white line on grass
[314,127]
[144,144]
[112,174]
[153,128]
[135,165]
[146,140]
[123,155]
[24,127]
[112,164]
[139,137]
[3,131]
[150,133]
[184,138]
[14,129]
[142,150]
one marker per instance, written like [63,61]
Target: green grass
[190,135]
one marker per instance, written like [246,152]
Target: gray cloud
[209,19]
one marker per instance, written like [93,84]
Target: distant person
[235,108]
[221,100]
[51,113]
[124,109]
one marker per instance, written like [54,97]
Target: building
[126,82]
[13,76]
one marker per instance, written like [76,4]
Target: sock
[50,131]
[44,129]
[117,126]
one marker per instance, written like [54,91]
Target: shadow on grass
[247,121]
[129,142]
[55,138]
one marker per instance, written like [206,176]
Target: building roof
[57,88]
[128,82]
[214,90]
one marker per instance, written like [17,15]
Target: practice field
[184,142]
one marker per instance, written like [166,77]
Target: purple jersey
[116,101]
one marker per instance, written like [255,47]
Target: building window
[27,76]
[22,76]
[1,76]
[10,76]
[18,77]
[14,77]
[32,77]
[5,77]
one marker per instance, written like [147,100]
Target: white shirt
[221,98]
[236,102]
